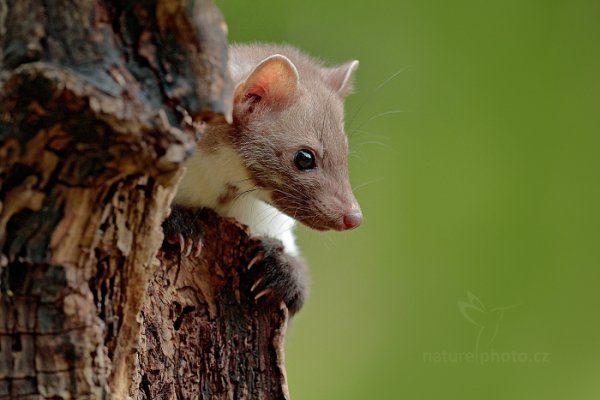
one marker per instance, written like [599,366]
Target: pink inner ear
[273,82]
[256,92]
[258,89]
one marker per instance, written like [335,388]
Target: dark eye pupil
[304,159]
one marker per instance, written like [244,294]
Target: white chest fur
[219,180]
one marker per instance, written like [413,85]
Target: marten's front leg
[279,276]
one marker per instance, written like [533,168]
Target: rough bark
[204,335]
[100,103]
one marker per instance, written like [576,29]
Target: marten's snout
[352,218]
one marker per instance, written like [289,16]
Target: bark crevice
[100,104]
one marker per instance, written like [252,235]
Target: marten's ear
[273,82]
[340,78]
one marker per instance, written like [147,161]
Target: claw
[198,248]
[262,293]
[181,241]
[189,244]
[257,258]
[253,288]
[178,239]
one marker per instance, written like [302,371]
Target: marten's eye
[304,159]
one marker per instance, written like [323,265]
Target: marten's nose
[353,218]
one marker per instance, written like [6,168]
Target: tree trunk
[100,103]
[203,334]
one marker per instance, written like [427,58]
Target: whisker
[383,114]
[362,185]
[395,74]
[387,146]
[372,93]
[369,133]
[359,158]
[254,189]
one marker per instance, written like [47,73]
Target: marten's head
[289,131]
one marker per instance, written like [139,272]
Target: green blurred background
[475,131]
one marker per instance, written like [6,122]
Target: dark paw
[182,232]
[278,276]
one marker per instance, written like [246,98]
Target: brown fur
[229,194]
[267,136]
